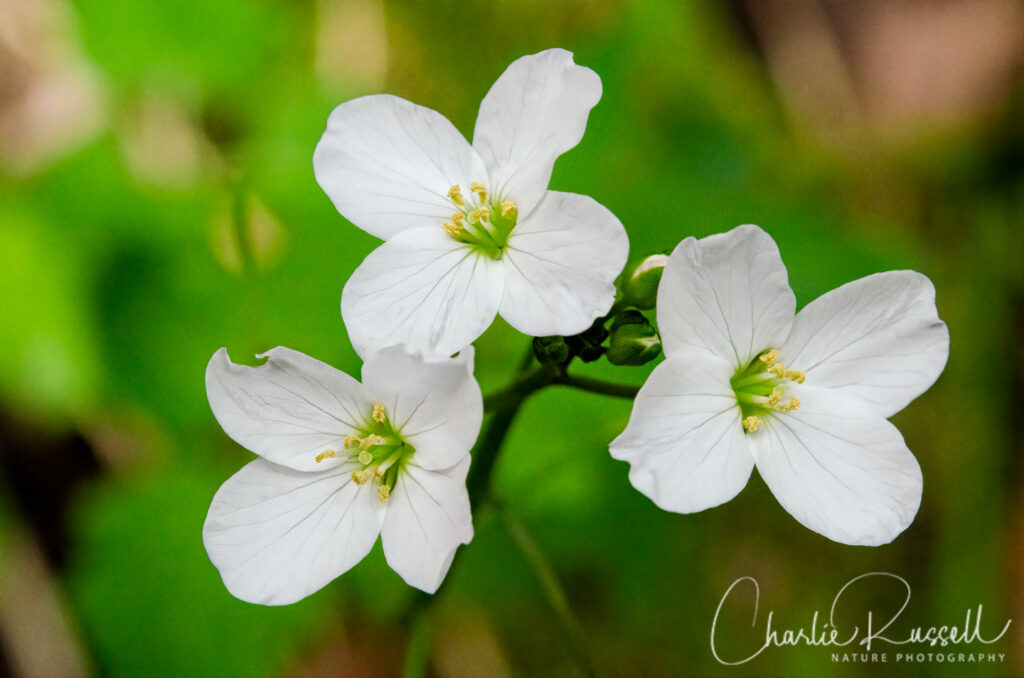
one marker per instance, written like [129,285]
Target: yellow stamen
[751,423]
[775,397]
[326,454]
[377,473]
[352,440]
[378,413]
[770,357]
[796,375]
[383,491]
[452,230]
[369,441]
[480,190]
[457,218]
[480,214]
[455,195]
[360,477]
[508,210]
[365,457]
[791,405]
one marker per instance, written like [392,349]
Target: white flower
[471,231]
[805,398]
[342,462]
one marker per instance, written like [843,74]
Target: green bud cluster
[557,350]
[632,340]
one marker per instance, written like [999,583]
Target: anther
[352,440]
[383,491]
[326,454]
[455,195]
[791,405]
[365,457]
[796,375]
[775,397]
[480,190]
[508,210]
[369,441]
[378,413]
[479,214]
[770,357]
[360,477]
[452,230]
[457,218]
[751,423]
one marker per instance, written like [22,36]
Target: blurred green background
[157,202]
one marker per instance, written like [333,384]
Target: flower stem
[506,404]
[512,396]
[553,590]
[599,386]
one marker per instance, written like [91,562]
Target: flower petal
[428,517]
[533,113]
[387,164]
[287,410]
[459,471]
[726,293]
[424,290]
[878,338]
[684,440]
[839,468]
[278,535]
[561,264]
[436,405]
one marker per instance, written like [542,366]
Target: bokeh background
[157,202]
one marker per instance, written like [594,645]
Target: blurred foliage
[192,221]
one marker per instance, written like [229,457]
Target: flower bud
[633,344]
[550,350]
[629,318]
[641,287]
[587,344]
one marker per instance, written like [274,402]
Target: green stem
[512,395]
[617,306]
[553,590]
[598,386]
[506,404]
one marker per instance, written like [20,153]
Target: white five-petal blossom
[803,396]
[341,463]
[471,231]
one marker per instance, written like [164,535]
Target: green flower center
[484,222]
[378,449]
[761,389]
